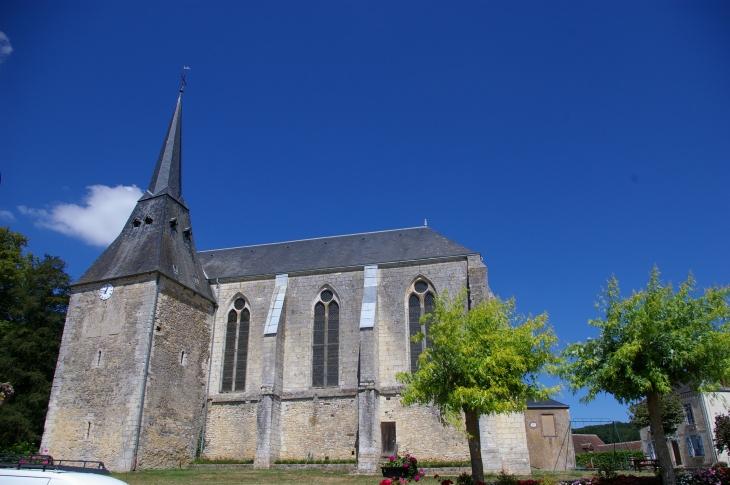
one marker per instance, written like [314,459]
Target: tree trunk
[475,445]
[660,441]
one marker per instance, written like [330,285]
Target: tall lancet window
[420,302]
[236,347]
[326,341]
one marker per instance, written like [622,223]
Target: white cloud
[5,47]
[6,216]
[98,221]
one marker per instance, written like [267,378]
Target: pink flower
[405,465]
[387,481]
[417,477]
[391,457]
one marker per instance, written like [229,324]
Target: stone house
[693,444]
[284,351]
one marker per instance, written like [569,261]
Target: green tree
[722,432]
[671,410]
[34,296]
[650,343]
[484,361]
[616,432]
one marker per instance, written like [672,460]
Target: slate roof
[150,242]
[353,250]
[167,177]
[549,404]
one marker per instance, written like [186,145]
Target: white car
[13,476]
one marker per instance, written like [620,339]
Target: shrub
[616,460]
[465,479]
[23,448]
[505,479]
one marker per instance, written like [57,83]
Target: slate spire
[167,177]
[158,237]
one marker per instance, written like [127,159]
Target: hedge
[605,459]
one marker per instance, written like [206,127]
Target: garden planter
[394,471]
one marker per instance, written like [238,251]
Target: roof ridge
[316,238]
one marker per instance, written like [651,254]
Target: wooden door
[387,438]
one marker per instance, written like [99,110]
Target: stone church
[283,351]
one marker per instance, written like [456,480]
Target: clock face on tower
[105,292]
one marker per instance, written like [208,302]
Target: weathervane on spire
[182,76]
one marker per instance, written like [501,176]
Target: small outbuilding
[547,424]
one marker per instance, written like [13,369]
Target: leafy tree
[484,361]
[34,296]
[671,410]
[616,432]
[722,432]
[650,343]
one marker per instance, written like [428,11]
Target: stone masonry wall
[231,431]
[419,432]
[549,452]
[97,387]
[512,443]
[173,411]
[319,429]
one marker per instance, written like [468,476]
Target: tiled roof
[583,443]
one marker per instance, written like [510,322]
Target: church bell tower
[129,386]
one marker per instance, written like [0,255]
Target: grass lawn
[245,476]
[286,477]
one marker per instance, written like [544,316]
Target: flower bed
[401,470]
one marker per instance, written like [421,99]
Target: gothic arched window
[420,302]
[326,341]
[236,347]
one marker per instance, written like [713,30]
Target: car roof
[71,478]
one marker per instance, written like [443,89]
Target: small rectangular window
[690,448]
[689,415]
[652,455]
[548,425]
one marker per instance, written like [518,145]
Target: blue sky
[565,141]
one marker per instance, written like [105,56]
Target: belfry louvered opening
[235,352]
[420,302]
[326,341]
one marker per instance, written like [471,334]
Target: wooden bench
[644,464]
